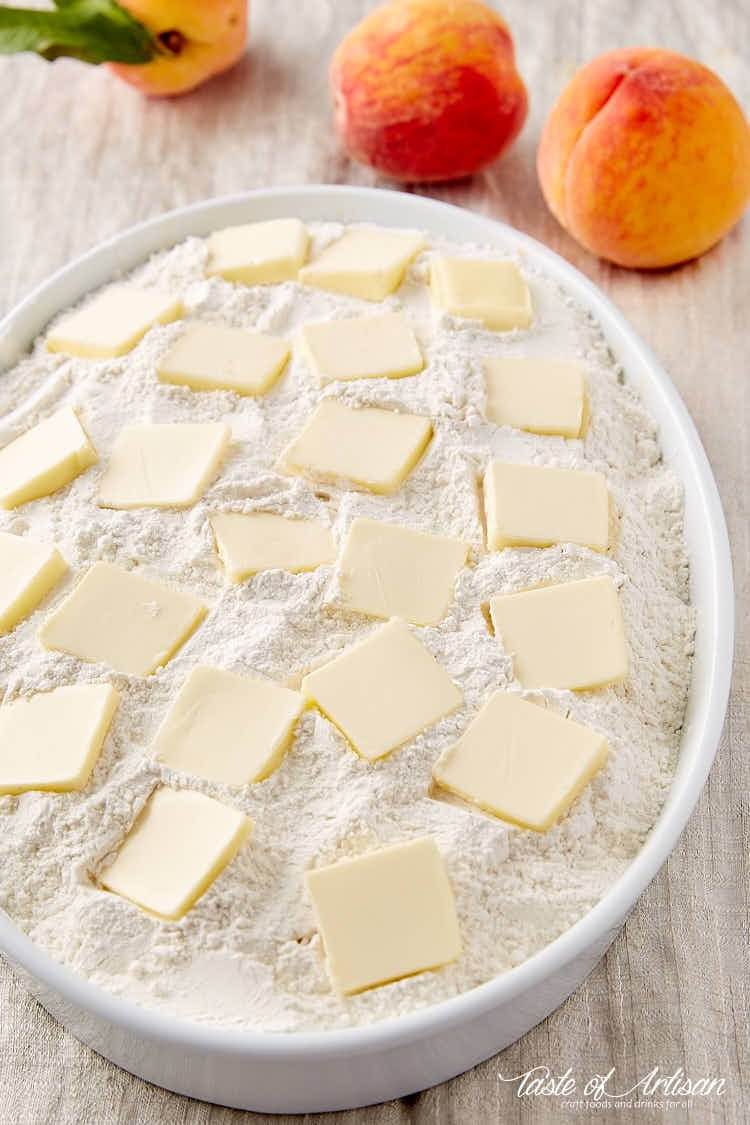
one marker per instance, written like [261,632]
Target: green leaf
[94,31]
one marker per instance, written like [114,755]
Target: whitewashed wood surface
[83,156]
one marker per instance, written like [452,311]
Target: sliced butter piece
[362,347]
[28,570]
[258,253]
[520,762]
[388,570]
[46,457]
[544,396]
[179,844]
[570,635]
[52,740]
[210,357]
[364,263]
[165,465]
[535,506]
[266,541]
[383,691]
[372,447]
[492,291]
[228,728]
[385,915]
[122,619]
[114,322]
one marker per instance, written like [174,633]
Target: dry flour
[247,954]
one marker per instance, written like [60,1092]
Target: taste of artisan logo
[655,1090]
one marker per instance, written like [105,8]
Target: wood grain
[84,156]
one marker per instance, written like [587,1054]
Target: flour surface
[247,955]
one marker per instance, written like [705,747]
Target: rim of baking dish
[715,631]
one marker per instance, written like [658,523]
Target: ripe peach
[645,158]
[200,38]
[427,90]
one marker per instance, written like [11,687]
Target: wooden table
[84,156]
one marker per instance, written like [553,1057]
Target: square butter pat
[385,915]
[114,322]
[570,635]
[364,263]
[391,571]
[52,740]
[521,762]
[46,457]
[228,728]
[372,447]
[258,253]
[122,619]
[362,347]
[266,541]
[28,570]
[165,465]
[492,291]
[383,691]
[178,845]
[210,357]
[544,396]
[534,506]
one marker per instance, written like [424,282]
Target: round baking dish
[342,1069]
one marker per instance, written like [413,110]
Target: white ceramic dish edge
[341,1069]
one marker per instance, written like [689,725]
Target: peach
[645,158]
[199,38]
[425,90]
[160,46]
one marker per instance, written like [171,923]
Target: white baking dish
[340,1069]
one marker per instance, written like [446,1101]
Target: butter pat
[210,357]
[520,762]
[388,570]
[544,396]
[258,253]
[180,843]
[362,347]
[532,506]
[385,915]
[383,691]
[131,623]
[364,263]
[570,635]
[28,570]
[162,466]
[492,291]
[46,457]
[369,446]
[114,322]
[228,728]
[265,541]
[53,739]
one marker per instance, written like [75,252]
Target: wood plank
[84,156]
